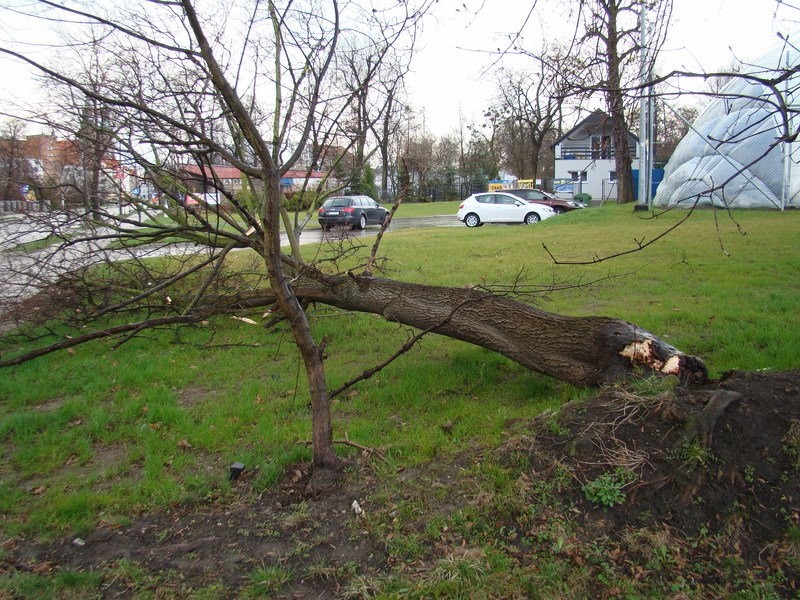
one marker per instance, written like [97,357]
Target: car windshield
[337,202]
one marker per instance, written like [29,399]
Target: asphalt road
[24,273]
[313,236]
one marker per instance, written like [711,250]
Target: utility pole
[646,114]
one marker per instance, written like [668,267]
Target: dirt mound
[712,467]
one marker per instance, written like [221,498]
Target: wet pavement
[24,272]
[314,236]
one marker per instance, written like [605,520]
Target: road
[24,273]
[20,229]
[314,236]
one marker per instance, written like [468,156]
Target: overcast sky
[450,73]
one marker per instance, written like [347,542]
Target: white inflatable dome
[733,157]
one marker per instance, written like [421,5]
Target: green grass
[99,434]
[735,308]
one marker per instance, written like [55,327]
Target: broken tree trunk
[580,350]
[584,351]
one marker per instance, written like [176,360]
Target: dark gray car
[355,211]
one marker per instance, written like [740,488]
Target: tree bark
[584,351]
[616,105]
[324,455]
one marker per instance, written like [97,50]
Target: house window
[578,176]
[612,175]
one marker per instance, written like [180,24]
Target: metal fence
[23,206]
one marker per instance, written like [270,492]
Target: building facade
[585,158]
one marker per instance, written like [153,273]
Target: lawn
[98,435]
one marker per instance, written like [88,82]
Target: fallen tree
[176,106]
[584,351]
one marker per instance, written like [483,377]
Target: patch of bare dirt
[194,394]
[712,476]
[223,541]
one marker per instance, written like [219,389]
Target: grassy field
[98,435]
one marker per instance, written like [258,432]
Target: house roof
[228,172]
[43,147]
[301,174]
[595,121]
[220,171]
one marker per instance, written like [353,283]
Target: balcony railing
[589,154]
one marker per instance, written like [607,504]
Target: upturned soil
[697,485]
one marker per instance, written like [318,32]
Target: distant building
[585,158]
[203,179]
[47,169]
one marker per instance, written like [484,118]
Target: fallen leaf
[42,568]
[245,320]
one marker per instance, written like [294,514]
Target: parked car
[501,207]
[564,190]
[559,205]
[356,211]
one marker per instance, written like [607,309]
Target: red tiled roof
[221,171]
[228,172]
[301,174]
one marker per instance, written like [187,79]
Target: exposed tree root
[701,425]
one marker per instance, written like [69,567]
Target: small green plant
[299,518]
[608,488]
[324,571]
[695,455]
[268,580]
[653,385]
[462,570]
[794,536]
[556,427]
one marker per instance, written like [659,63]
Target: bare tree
[387,129]
[181,93]
[532,103]
[484,144]
[671,128]
[609,35]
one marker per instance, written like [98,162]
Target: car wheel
[362,221]
[558,210]
[532,218]
[472,220]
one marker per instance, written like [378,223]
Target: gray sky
[450,74]
[452,71]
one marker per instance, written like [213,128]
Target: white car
[500,207]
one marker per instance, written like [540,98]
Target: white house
[585,158]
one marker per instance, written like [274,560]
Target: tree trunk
[580,350]
[622,151]
[324,455]
[616,107]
